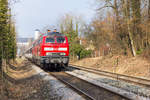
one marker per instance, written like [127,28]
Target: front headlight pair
[62,54]
[50,54]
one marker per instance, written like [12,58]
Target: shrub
[85,53]
[138,52]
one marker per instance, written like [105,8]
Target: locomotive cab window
[61,40]
[50,40]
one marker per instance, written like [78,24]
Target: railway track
[86,89]
[126,78]
[89,90]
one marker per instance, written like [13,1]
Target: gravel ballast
[123,87]
[58,88]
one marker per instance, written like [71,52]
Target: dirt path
[23,84]
[27,81]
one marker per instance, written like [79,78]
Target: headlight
[48,54]
[62,54]
[48,49]
[62,49]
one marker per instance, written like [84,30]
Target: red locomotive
[51,48]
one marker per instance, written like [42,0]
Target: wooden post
[117,62]
[99,53]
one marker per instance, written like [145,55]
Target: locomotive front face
[55,49]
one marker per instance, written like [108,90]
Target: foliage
[80,51]
[70,27]
[7,33]
[124,27]
[75,49]
[138,52]
[121,28]
[85,53]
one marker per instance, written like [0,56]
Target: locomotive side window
[38,42]
[50,40]
[41,40]
[61,40]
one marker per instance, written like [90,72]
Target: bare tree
[128,20]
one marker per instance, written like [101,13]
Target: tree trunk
[149,10]
[116,10]
[131,38]
[117,27]
[136,21]
[127,6]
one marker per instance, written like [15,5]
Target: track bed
[86,89]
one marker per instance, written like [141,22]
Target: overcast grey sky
[35,14]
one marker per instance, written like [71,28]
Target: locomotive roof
[54,34]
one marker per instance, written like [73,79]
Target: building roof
[24,40]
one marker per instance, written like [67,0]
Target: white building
[37,34]
[23,44]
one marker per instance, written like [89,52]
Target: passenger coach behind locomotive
[51,48]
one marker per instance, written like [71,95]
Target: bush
[79,51]
[138,52]
[85,53]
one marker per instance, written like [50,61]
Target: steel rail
[131,79]
[84,93]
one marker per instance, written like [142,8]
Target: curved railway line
[126,78]
[86,89]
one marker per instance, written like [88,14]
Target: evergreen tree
[7,33]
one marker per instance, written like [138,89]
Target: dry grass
[17,62]
[135,66]
[27,86]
